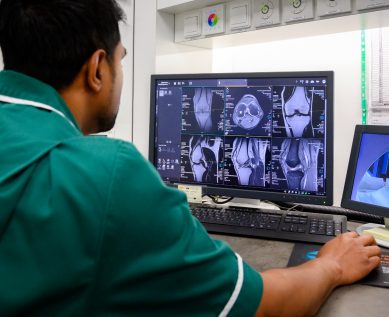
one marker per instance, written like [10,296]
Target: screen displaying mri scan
[250,133]
[371,182]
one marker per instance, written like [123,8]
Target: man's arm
[301,290]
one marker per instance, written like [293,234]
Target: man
[87,228]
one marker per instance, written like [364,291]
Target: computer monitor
[266,136]
[367,182]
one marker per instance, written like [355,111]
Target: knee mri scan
[202,160]
[299,112]
[248,111]
[202,110]
[244,135]
[202,104]
[300,164]
[247,161]
[374,188]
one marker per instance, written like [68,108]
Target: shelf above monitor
[341,24]
[178,6]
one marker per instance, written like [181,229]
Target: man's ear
[95,70]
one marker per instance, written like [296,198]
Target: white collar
[34,104]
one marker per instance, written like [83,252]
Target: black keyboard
[269,223]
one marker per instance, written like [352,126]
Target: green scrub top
[88,228]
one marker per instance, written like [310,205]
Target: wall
[1,61]
[175,58]
[144,66]
[123,125]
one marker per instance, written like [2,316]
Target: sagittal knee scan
[248,111]
[201,159]
[247,161]
[374,188]
[299,111]
[298,164]
[202,110]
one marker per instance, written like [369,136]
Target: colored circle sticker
[212,20]
[265,9]
[297,4]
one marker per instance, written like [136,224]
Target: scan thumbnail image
[298,164]
[247,161]
[299,111]
[202,110]
[374,186]
[248,111]
[201,159]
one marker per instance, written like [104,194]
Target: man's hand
[351,256]
[301,290]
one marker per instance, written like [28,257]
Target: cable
[350,214]
[333,210]
[215,199]
[281,206]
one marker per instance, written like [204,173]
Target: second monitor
[254,135]
[366,188]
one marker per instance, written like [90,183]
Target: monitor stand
[253,203]
[374,230]
[250,203]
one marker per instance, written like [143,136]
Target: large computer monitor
[367,182]
[267,136]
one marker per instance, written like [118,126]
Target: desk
[346,301]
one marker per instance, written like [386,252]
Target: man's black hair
[50,40]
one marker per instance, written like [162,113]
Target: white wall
[311,53]
[175,58]
[123,125]
[185,62]
[1,61]
[144,66]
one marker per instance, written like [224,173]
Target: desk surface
[353,300]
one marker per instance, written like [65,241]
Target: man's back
[88,228]
[53,204]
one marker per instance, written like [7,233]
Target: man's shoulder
[96,158]
[98,148]
[102,169]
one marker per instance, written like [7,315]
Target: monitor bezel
[256,194]
[347,202]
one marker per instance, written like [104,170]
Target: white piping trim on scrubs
[34,104]
[237,289]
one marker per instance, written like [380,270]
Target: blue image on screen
[371,183]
